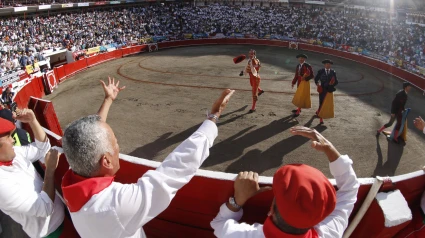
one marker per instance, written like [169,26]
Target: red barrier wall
[75,67]
[34,87]
[60,73]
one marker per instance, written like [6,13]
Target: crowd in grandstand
[393,40]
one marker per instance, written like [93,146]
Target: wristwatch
[233,203]
[213,116]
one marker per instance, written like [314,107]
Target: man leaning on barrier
[103,208]
[305,203]
[24,196]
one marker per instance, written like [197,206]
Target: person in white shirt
[305,203]
[99,206]
[24,196]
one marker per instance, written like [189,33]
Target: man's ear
[106,162]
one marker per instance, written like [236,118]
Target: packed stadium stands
[378,36]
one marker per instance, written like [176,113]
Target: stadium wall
[197,203]
[416,80]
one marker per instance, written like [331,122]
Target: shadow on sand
[395,151]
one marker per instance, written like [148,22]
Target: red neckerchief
[8,163]
[78,190]
[271,231]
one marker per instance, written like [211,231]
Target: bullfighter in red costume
[253,69]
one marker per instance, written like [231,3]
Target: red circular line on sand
[239,89]
[214,76]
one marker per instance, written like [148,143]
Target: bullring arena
[169,91]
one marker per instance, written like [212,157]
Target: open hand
[24,115]
[112,89]
[319,142]
[221,103]
[246,186]
[419,123]
[52,159]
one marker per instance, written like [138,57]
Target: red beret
[239,59]
[304,196]
[6,126]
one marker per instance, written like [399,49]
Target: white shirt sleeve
[29,202]
[34,151]
[141,202]
[226,224]
[335,224]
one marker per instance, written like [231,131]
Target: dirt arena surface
[169,91]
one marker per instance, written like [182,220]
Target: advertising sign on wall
[21,9]
[41,7]
[315,2]
[67,5]
[83,4]
[93,50]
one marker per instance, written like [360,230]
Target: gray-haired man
[101,207]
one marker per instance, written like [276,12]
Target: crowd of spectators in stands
[23,39]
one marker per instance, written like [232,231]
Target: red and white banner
[50,81]
[153,47]
[293,45]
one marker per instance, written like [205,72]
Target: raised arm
[51,161]
[335,224]
[27,116]
[153,192]
[111,92]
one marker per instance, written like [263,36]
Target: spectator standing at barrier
[15,62]
[303,73]
[3,69]
[25,197]
[23,60]
[253,70]
[101,207]
[326,81]
[305,203]
[20,136]
[7,96]
[397,110]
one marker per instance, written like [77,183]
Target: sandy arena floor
[169,91]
